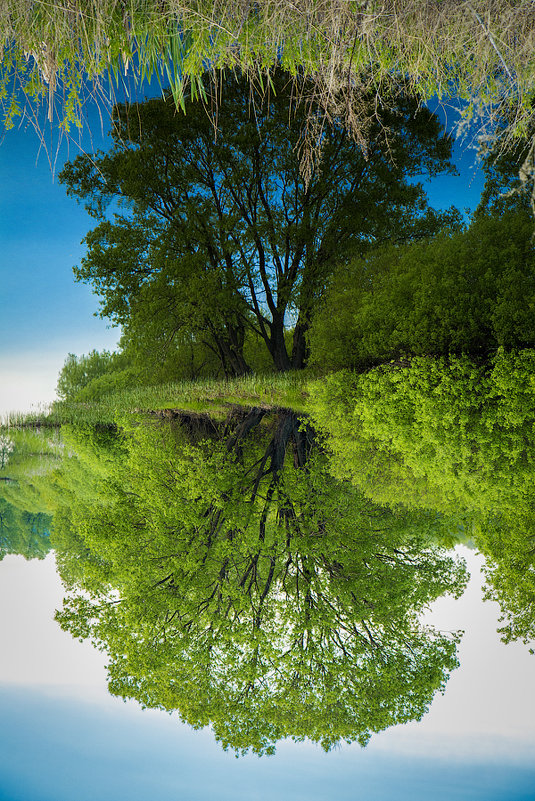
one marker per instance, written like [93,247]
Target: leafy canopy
[214,232]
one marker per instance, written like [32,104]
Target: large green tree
[228,576]
[218,233]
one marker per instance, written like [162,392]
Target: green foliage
[508,186]
[155,358]
[507,542]
[451,436]
[25,520]
[104,385]
[31,455]
[448,434]
[462,292]
[228,576]
[220,240]
[49,468]
[23,532]
[88,378]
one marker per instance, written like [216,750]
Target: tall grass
[281,389]
[15,419]
[481,51]
[210,395]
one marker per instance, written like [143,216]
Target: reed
[481,52]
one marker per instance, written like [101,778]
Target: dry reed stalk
[478,52]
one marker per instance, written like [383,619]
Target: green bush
[89,377]
[465,292]
[455,437]
[445,434]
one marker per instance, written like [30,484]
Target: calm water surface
[227,575]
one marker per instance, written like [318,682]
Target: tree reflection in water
[229,576]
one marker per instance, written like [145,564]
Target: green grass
[208,395]
[481,51]
[286,389]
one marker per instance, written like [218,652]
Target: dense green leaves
[447,434]
[24,516]
[22,532]
[230,577]
[452,436]
[463,292]
[508,544]
[86,378]
[218,234]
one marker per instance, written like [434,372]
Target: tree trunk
[229,344]
[300,350]
[277,345]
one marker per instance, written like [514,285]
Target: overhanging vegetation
[480,52]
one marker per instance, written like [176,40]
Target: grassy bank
[211,395]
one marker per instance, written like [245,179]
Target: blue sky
[44,314]
[40,230]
